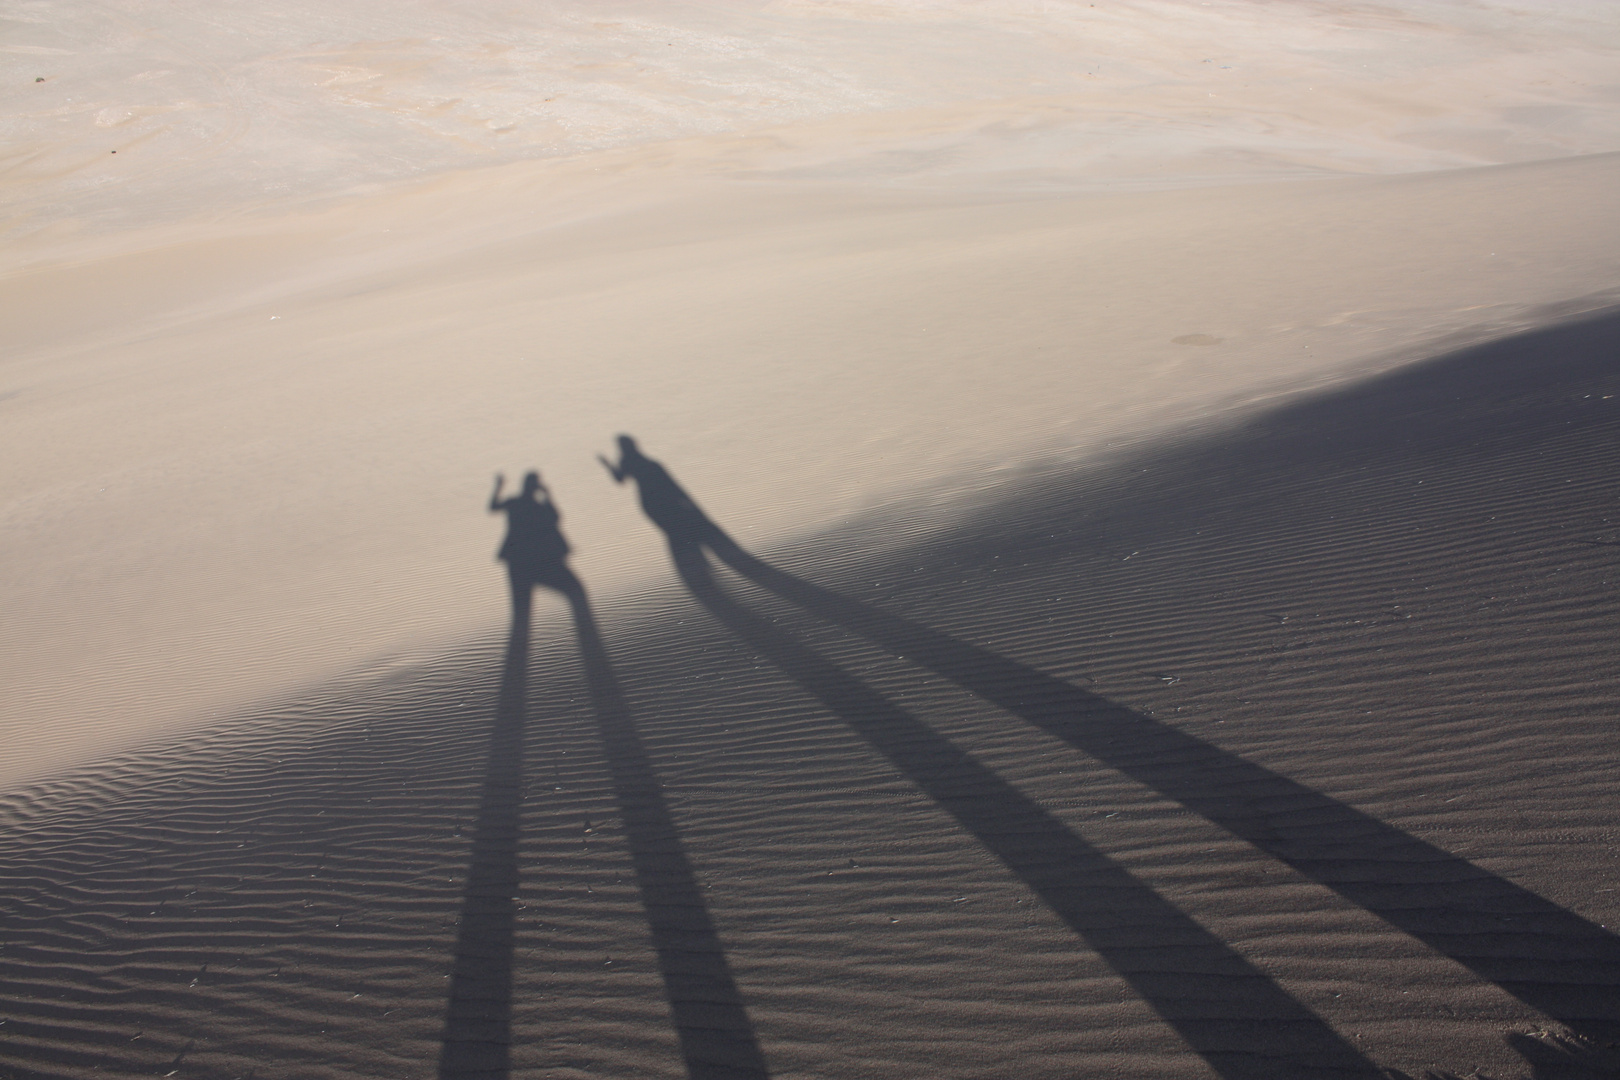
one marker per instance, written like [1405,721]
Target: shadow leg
[717,1037]
[478,1024]
[1549,958]
[1231,1013]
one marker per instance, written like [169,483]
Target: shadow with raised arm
[716,1037]
[477,1038]
[1227,1010]
[1548,957]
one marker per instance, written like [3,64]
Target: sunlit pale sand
[1180,437]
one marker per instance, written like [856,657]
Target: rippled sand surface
[1179,439]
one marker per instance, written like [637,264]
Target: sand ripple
[1384,614]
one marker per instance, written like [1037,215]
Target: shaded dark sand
[706,1007]
[1279,753]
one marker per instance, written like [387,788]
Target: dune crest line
[1480,920]
[1234,1016]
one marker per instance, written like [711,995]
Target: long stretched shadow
[1553,960]
[478,1023]
[1549,958]
[1560,964]
[1231,1013]
[717,1038]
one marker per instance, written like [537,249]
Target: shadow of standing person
[1548,957]
[478,1021]
[534,550]
[717,1038]
[662,499]
[1244,1025]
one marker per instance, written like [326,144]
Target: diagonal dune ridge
[1151,612]
[285,886]
[287,424]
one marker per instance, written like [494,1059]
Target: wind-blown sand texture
[1156,610]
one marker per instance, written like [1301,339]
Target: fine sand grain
[1283,751]
[290,428]
[1156,612]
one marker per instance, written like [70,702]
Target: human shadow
[1501,931]
[1552,959]
[478,1020]
[717,1039]
[534,549]
[1230,1012]
[477,1037]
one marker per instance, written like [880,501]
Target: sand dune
[157,114]
[1373,626]
[1170,448]
[294,462]
[283,399]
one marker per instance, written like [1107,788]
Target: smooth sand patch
[292,429]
